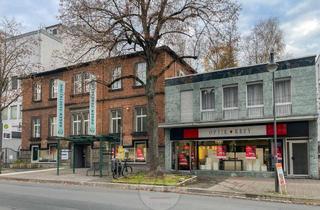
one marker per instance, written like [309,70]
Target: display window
[138,153]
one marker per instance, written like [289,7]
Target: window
[14,83]
[80,123]
[52,156]
[255,100]
[20,112]
[6,135]
[53,88]
[282,92]
[4,114]
[140,119]
[186,106]
[37,91]
[52,126]
[81,82]
[116,73]
[283,97]
[13,112]
[180,73]
[230,97]
[207,99]
[16,135]
[36,128]
[115,124]
[230,103]
[141,73]
[138,153]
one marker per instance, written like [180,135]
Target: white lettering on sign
[257,130]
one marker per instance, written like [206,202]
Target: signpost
[60,118]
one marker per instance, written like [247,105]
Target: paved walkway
[304,188]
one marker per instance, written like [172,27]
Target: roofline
[40,31]
[248,66]
[133,54]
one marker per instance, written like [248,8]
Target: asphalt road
[19,195]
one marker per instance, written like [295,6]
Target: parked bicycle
[120,168]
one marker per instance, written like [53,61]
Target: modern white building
[45,43]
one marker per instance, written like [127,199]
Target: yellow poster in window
[120,154]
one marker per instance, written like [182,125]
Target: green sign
[92,108]
[60,108]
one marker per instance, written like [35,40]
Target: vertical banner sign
[60,108]
[92,108]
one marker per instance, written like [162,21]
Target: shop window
[140,119]
[186,106]
[115,121]
[141,73]
[52,126]
[14,112]
[53,88]
[37,91]
[36,128]
[138,153]
[207,104]
[116,73]
[255,100]
[230,102]
[283,97]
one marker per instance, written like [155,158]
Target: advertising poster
[251,152]
[281,179]
[279,151]
[221,151]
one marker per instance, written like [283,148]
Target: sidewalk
[302,191]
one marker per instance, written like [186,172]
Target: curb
[176,189]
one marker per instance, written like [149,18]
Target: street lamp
[272,67]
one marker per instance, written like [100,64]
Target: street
[19,195]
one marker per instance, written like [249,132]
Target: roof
[241,71]
[134,54]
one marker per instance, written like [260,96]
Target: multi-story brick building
[221,122]
[120,108]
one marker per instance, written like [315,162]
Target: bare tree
[222,53]
[265,35]
[14,61]
[121,26]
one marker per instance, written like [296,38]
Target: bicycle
[121,169]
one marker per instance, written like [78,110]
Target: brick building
[120,108]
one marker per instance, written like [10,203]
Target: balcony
[283,109]
[255,111]
[231,113]
[208,115]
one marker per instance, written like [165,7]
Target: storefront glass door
[183,156]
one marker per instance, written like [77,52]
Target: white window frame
[53,126]
[36,95]
[53,88]
[116,73]
[254,106]
[77,83]
[135,147]
[85,123]
[214,100]
[36,127]
[11,111]
[115,119]
[6,112]
[86,78]
[280,80]
[138,73]
[76,122]
[229,108]
[140,118]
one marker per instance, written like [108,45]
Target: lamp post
[272,67]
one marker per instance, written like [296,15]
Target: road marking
[29,172]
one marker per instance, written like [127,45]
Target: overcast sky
[299,19]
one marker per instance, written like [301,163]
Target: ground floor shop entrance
[297,152]
[81,155]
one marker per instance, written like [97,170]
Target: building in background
[121,109]
[44,43]
[221,122]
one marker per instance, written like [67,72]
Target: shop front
[248,148]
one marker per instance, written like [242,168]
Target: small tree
[15,55]
[121,26]
[265,35]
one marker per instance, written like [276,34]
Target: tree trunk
[1,137]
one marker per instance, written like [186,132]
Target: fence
[9,156]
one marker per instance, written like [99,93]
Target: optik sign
[60,108]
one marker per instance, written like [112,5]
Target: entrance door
[184,156]
[298,157]
[34,153]
[80,156]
